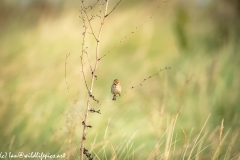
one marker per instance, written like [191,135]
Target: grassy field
[174,115]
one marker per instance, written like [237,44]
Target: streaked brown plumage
[116,89]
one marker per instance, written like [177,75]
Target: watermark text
[35,155]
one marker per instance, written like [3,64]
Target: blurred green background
[198,39]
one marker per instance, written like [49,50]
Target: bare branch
[135,30]
[82,149]
[141,83]
[113,8]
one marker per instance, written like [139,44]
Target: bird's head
[116,81]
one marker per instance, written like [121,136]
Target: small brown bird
[116,89]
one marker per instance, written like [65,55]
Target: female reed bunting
[116,89]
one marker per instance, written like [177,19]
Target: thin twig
[74,104]
[83,43]
[113,8]
[91,7]
[88,59]
[90,26]
[141,83]
[132,32]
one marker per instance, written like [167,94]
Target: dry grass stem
[216,154]
[195,143]
[184,143]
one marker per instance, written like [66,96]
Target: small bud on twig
[95,111]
